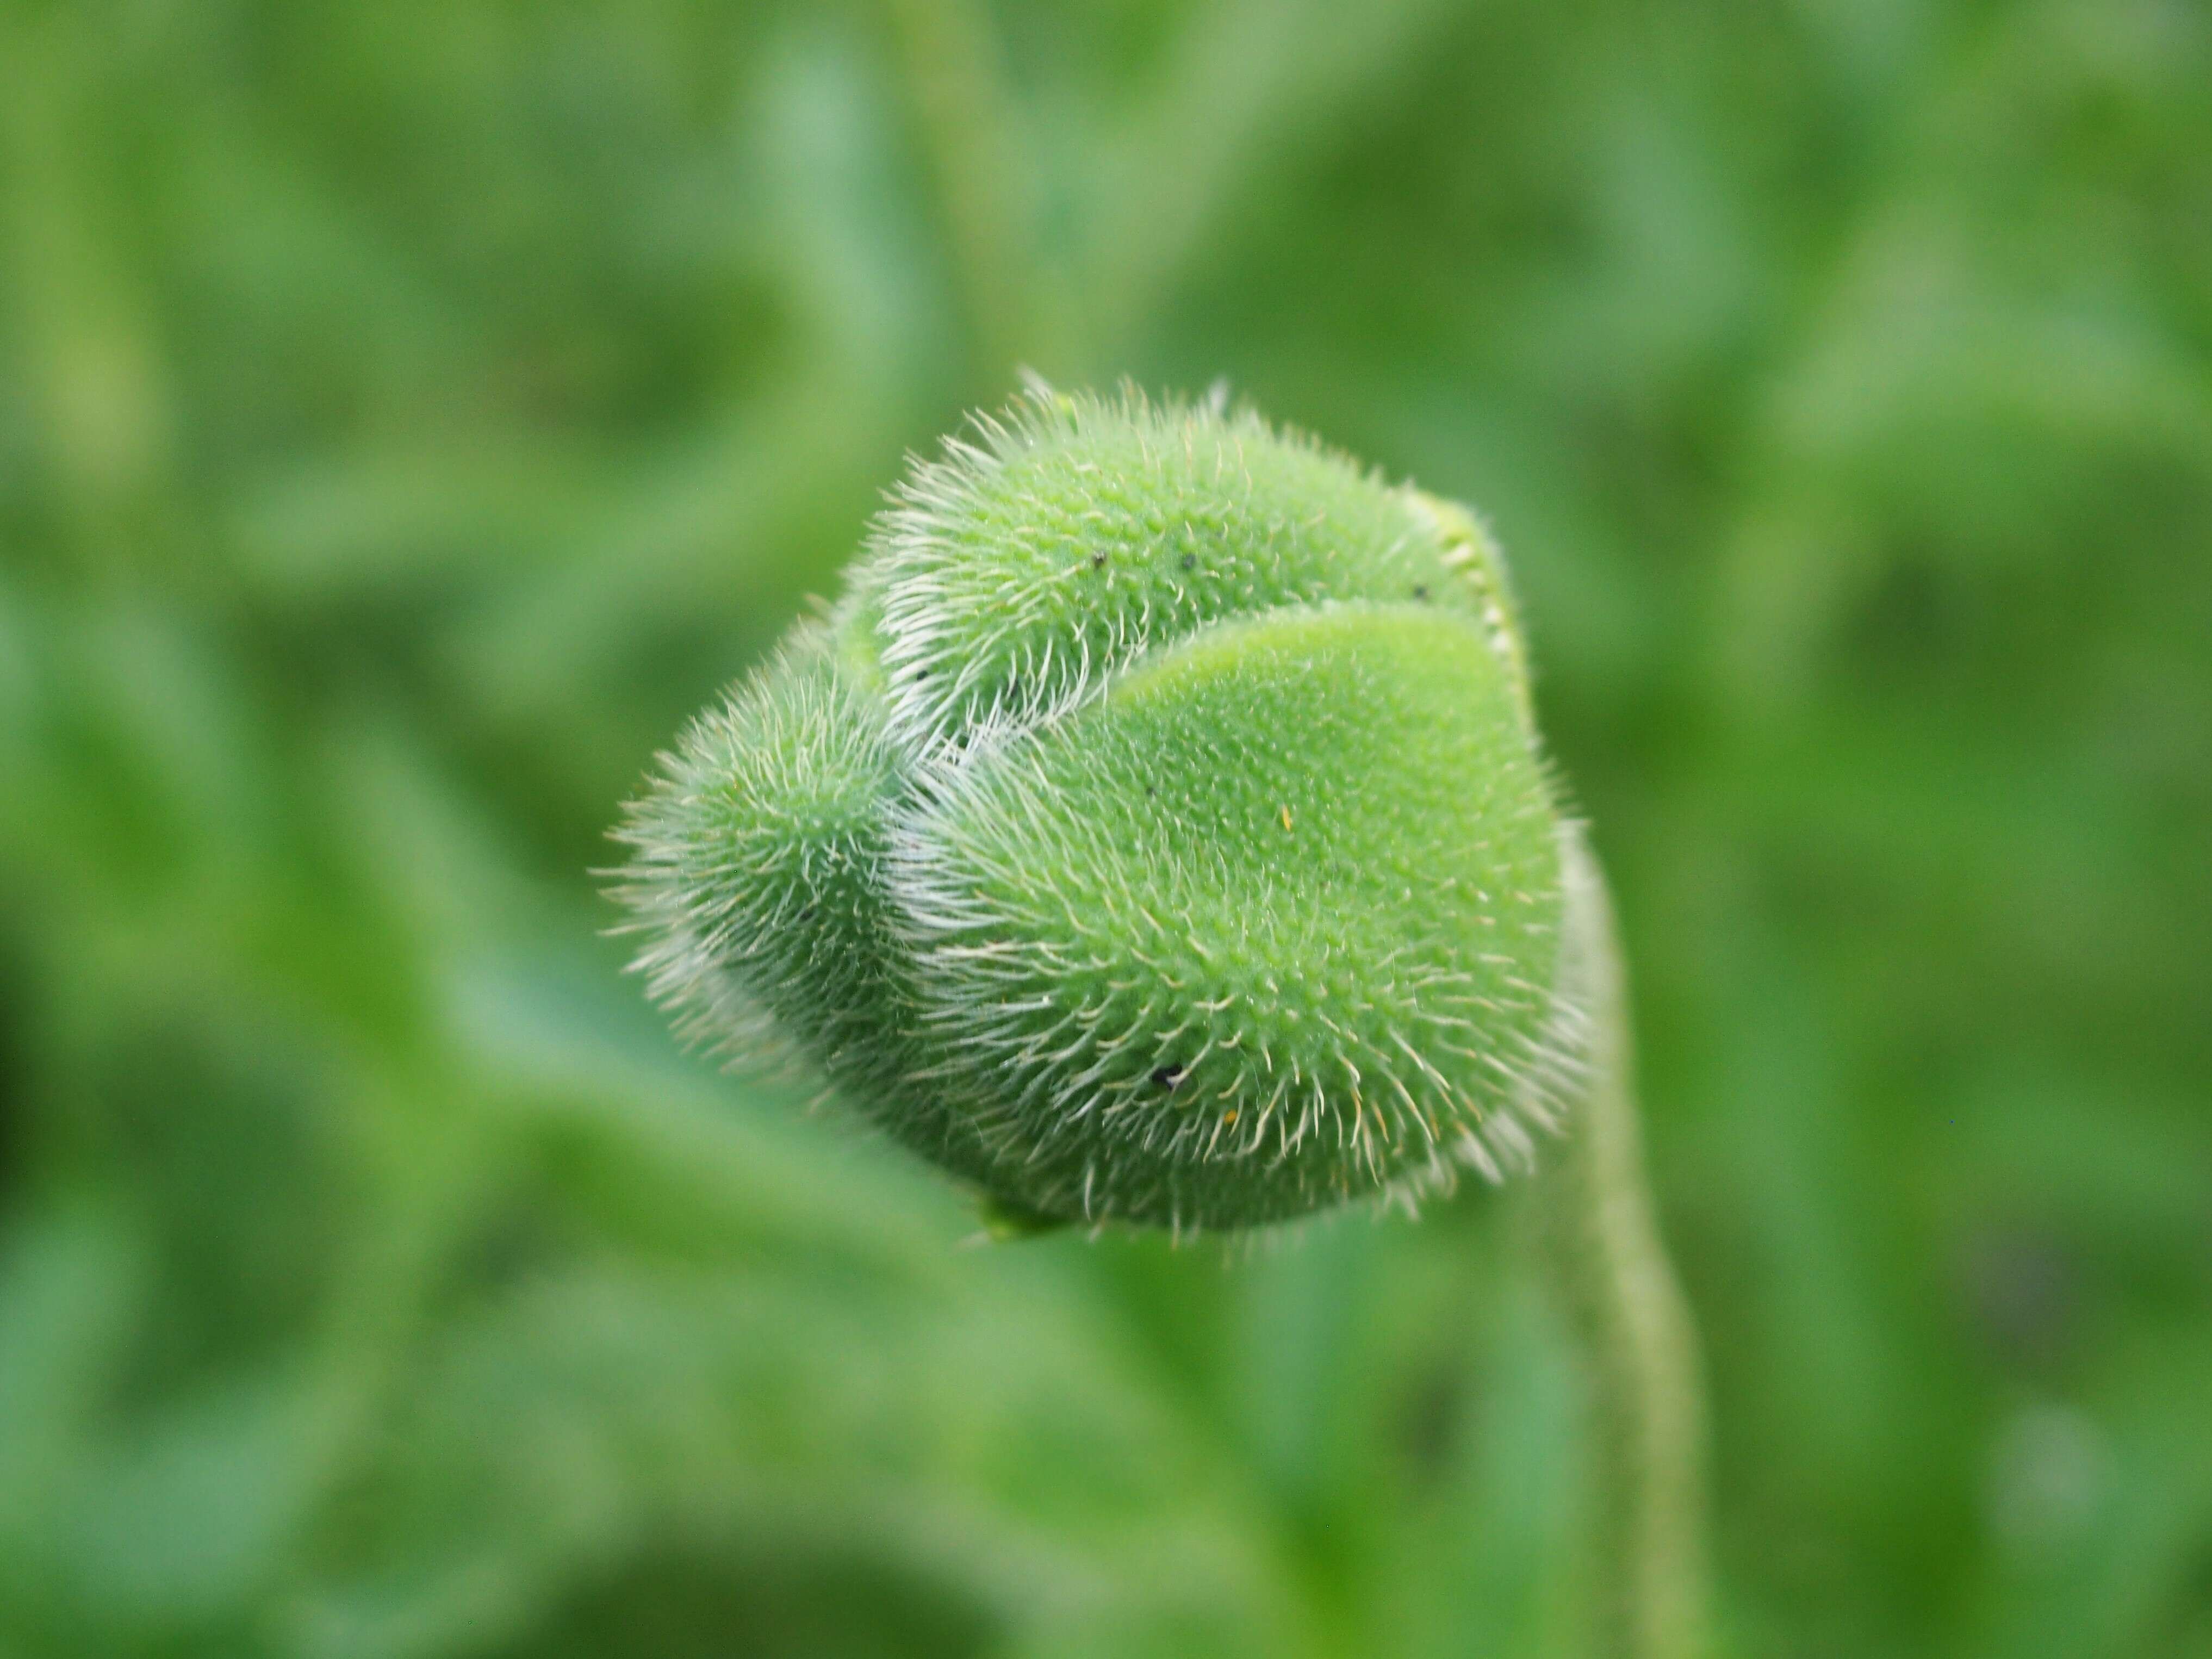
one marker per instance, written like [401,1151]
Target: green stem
[1631,1325]
[970,136]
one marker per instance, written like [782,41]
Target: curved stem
[1631,1325]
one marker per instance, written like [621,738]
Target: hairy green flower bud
[1155,832]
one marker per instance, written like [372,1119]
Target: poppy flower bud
[1156,830]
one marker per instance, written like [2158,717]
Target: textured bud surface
[1156,833]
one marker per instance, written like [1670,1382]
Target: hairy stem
[1602,1247]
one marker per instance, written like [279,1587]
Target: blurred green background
[410,412]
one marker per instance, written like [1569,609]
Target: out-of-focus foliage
[409,412]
